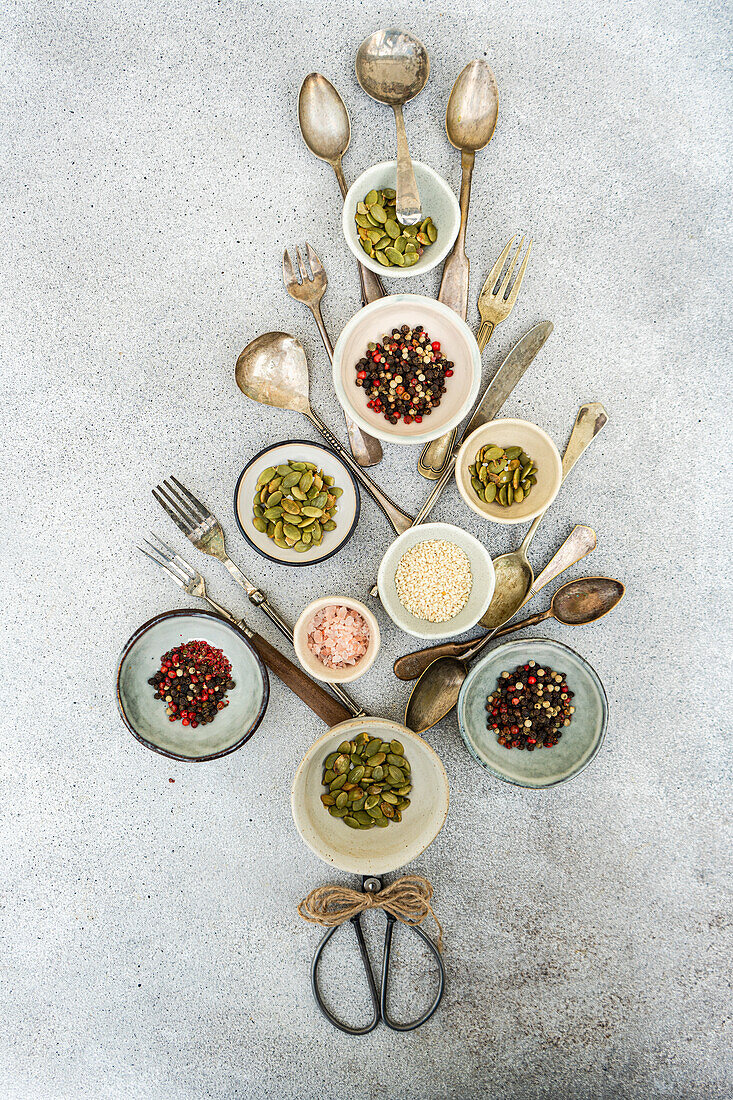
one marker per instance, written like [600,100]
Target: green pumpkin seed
[392,229]
[510,494]
[512,452]
[259,524]
[351,822]
[395,257]
[410,258]
[329,526]
[265,476]
[381,257]
[371,198]
[274,513]
[337,783]
[432,233]
[490,493]
[503,495]
[378,213]
[518,495]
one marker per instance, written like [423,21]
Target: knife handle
[313,695]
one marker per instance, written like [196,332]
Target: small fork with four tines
[309,290]
[202,528]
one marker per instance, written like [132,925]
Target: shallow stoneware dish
[310,662]
[580,741]
[297,450]
[537,445]
[478,601]
[373,851]
[438,203]
[457,343]
[145,716]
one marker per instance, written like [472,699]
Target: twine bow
[407,899]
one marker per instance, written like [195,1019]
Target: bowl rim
[295,443]
[347,216]
[595,678]
[408,734]
[432,531]
[506,520]
[374,429]
[202,613]
[375,638]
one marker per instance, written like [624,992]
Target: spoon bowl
[473,107]
[585,600]
[323,118]
[273,370]
[392,66]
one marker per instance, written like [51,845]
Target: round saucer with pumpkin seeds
[296,502]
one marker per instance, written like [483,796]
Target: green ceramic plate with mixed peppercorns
[581,740]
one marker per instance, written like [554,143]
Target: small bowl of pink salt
[336,639]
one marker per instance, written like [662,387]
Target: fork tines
[168,559]
[499,287]
[307,272]
[186,511]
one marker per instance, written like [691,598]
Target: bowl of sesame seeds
[435,581]
[407,369]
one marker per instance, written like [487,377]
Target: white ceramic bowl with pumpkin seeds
[536,444]
[371,851]
[438,203]
[323,459]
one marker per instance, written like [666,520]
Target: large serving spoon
[324,124]
[436,692]
[576,603]
[514,574]
[273,370]
[392,66]
[470,120]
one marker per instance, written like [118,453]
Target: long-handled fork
[495,303]
[193,584]
[309,290]
[202,528]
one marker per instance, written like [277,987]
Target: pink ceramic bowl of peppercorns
[407,369]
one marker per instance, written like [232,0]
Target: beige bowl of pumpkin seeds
[432,239]
[371,851]
[508,471]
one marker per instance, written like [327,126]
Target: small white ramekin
[310,662]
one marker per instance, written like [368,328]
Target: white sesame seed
[434,580]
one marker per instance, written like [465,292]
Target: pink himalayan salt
[338,636]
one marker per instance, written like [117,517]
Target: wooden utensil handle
[412,665]
[313,695]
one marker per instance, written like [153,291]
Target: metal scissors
[371,884]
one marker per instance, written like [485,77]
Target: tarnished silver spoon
[392,66]
[324,124]
[273,370]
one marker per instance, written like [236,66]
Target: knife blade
[507,376]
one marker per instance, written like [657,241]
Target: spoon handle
[400,520]
[588,423]
[414,664]
[371,285]
[365,448]
[409,211]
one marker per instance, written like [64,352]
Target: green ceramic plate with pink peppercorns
[517,754]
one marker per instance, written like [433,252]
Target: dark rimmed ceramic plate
[298,450]
[145,716]
[581,740]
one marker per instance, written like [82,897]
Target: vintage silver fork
[202,528]
[309,290]
[193,584]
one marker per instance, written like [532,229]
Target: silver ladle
[392,66]
[324,124]
[273,370]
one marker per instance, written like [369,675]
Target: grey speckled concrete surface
[152,172]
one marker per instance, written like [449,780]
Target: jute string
[408,899]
